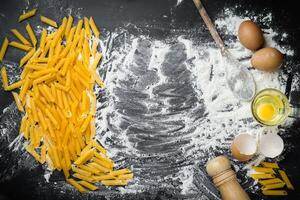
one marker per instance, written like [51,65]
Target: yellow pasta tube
[88,185]
[92,128]
[273,186]
[94,27]
[67,134]
[94,46]
[78,27]
[42,120]
[262,176]
[18,102]
[103,163]
[24,88]
[125,176]
[31,34]
[88,169]
[67,157]
[43,39]
[27,57]
[46,92]
[57,160]
[120,172]
[27,15]
[270,181]
[85,123]
[52,118]
[275,192]
[34,111]
[104,177]
[42,79]
[20,46]
[286,179]
[4,78]
[87,27]
[99,147]
[82,177]
[43,154]
[97,59]
[64,168]
[270,165]
[20,37]
[3,48]
[85,157]
[76,185]
[114,182]
[264,170]
[69,25]
[63,26]
[48,21]
[81,171]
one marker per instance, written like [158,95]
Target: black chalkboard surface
[162,139]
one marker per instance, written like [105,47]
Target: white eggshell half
[246,144]
[271,145]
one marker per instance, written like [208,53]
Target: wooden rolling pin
[225,180]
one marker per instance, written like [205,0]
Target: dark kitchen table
[19,182]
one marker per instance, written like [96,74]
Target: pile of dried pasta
[56,95]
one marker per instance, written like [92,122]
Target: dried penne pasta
[270,165]
[275,192]
[88,185]
[273,186]
[27,57]
[20,37]
[31,34]
[270,181]
[87,27]
[27,15]
[4,78]
[15,85]
[264,170]
[85,157]
[286,179]
[56,94]
[3,48]
[18,101]
[48,21]
[125,176]
[94,27]
[76,185]
[68,26]
[20,46]
[262,176]
[82,177]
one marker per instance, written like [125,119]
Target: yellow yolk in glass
[266,112]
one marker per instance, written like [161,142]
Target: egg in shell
[250,35]
[267,59]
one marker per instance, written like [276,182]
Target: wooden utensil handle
[209,25]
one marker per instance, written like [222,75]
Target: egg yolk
[266,112]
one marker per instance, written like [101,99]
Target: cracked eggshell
[271,145]
[243,147]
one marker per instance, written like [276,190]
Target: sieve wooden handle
[210,25]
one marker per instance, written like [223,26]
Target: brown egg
[267,59]
[250,35]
